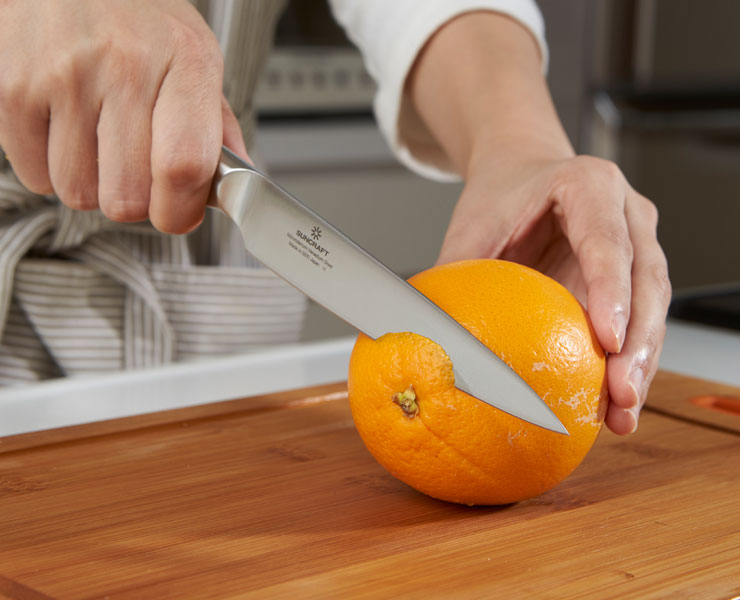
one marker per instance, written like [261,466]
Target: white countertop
[690,349]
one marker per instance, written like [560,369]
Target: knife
[323,263]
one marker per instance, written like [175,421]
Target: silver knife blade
[323,263]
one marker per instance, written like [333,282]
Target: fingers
[72,151]
[24,132]
[631,371]
[595,223]
[117,106]
[124,136]
[586,227]
[186,139]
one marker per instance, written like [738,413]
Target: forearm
[478,86]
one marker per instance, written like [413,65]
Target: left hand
[580,222]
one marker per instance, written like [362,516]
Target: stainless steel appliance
[665,105]
[314,69]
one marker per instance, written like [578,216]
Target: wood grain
[677,396]
[276,497]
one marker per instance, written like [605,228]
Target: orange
[451,446]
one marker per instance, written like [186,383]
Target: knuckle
[206,45]
[126,60]
[653,337]
[123,211]
[108,49]
[586,161]
[187,37]
[198,44]
[590,177]
[617,237]
[77,196]
[611,171]
[77,202]
[182,33]
[66,73]
[124,202]
[136,60]
[12,94]
[649,212]
[605,171]
[181,171]
[607,240]
[657,273]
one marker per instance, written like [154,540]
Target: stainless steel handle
[230,166]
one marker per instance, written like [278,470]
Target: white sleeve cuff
[390,34]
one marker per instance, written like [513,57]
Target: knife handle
[228,163]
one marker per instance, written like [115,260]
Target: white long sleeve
[390,34]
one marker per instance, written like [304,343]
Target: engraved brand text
[312,242]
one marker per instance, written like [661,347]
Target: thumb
[233,137]
[479,228]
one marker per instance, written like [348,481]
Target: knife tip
[554,424]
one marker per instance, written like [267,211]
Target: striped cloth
[81,295]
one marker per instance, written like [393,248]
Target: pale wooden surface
[678,393]
[276,497]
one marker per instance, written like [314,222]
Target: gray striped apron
[80,295]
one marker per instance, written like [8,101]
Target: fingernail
[619,328]
[635,413]
[637,377]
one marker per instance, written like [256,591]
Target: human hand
[578,221]
[116,105]
[529,199]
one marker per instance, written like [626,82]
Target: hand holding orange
[451,446]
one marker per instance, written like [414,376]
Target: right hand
[115,104]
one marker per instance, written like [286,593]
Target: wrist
[496,151]
[478,86]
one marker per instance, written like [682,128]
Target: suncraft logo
[311,240]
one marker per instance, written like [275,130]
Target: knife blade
[315,257]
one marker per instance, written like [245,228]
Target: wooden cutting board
[276,497]
[691,400]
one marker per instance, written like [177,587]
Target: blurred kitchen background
[653,85]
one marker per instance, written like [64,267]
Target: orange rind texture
[458,448]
